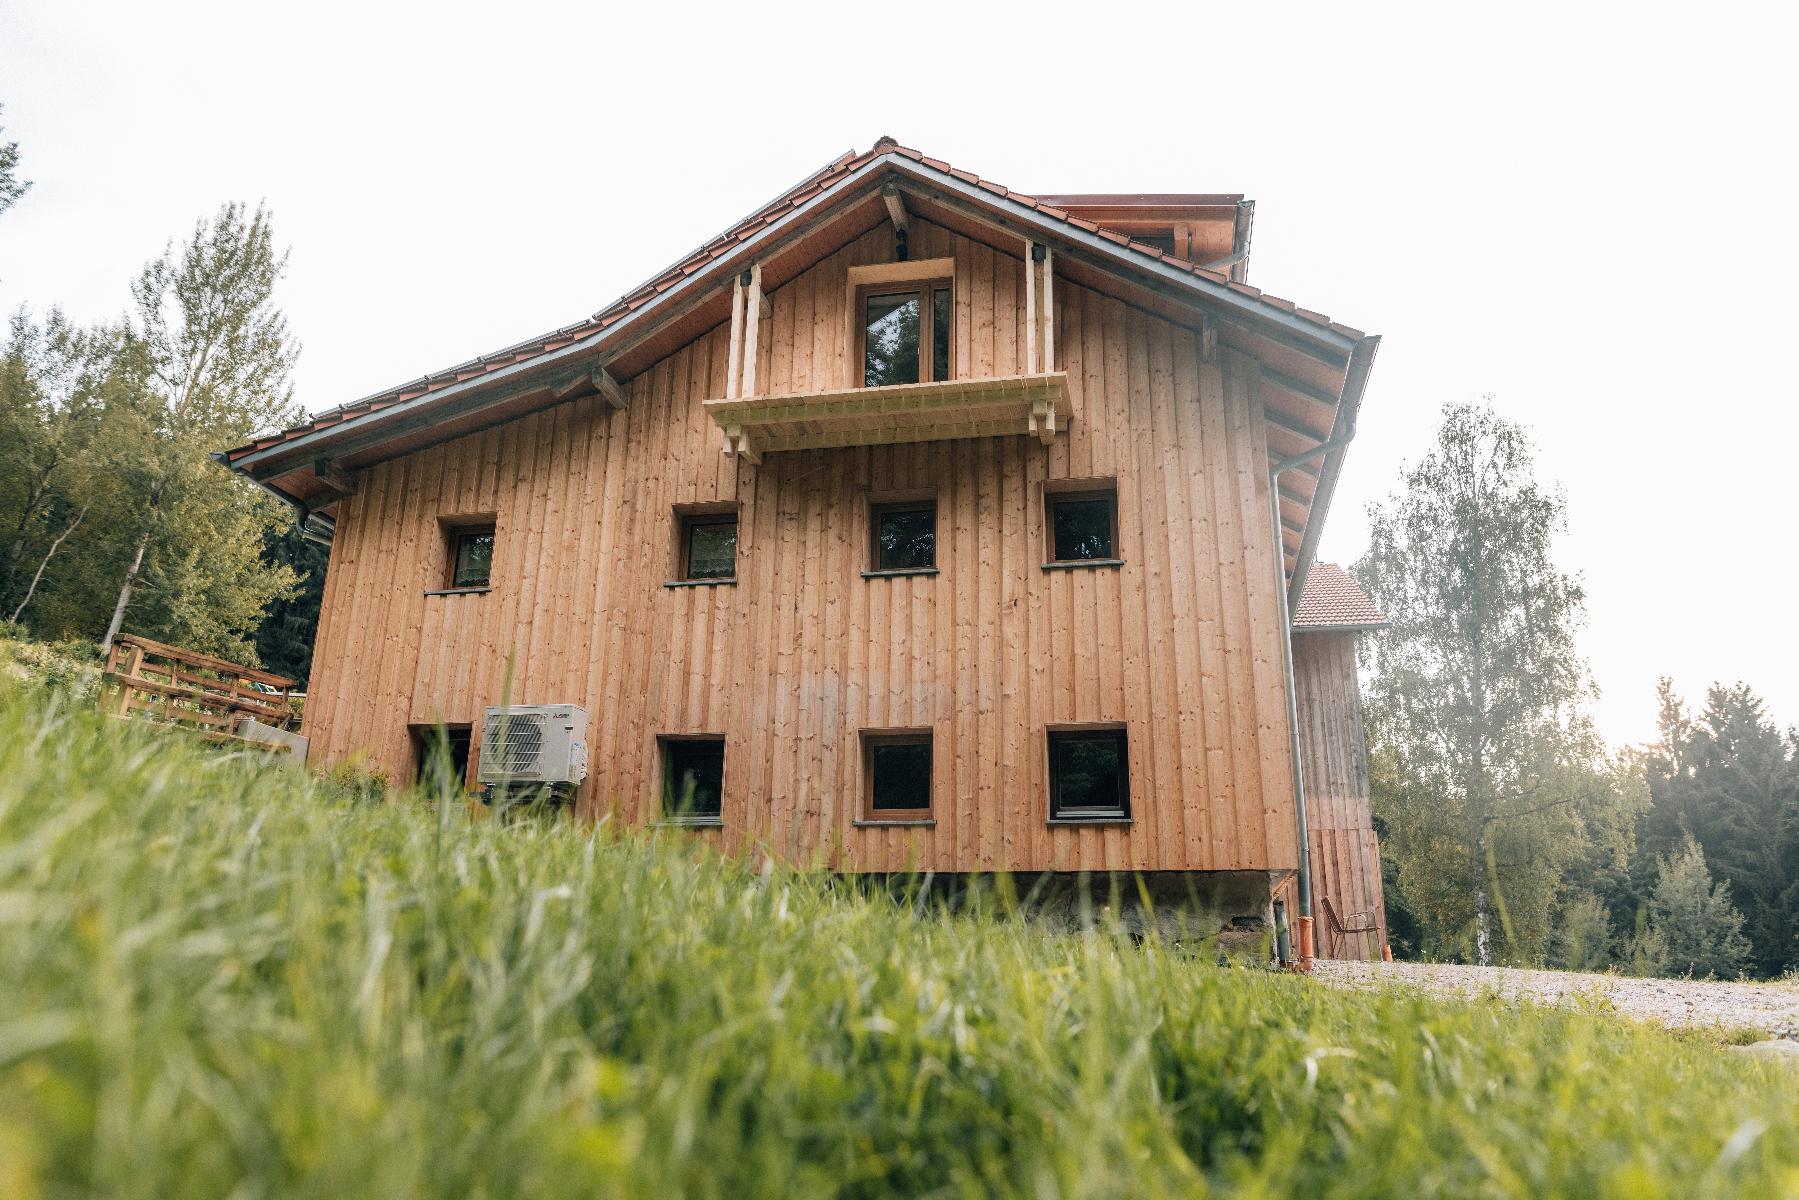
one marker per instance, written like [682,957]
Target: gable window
[897,771]
[1089,775]
[706,549]
[469,553]
[905,536]
[1082,526]
[693,779]
[904,330]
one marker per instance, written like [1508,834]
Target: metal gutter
[303,516]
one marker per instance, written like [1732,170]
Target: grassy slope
[217,976]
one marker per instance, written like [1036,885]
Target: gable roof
[1332,600]
[1314,367]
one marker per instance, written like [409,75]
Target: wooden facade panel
[1345,853]
[799,656]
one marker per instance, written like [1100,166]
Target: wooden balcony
[1014,405]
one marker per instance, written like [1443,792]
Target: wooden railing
[146,679]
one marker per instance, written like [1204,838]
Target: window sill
[675,583]
[462,591]
[1090,821]
[897,823]
[1082,563]
[691,823]
[899,571]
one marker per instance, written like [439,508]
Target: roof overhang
[1313,373]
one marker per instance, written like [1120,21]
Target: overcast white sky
[1587,213]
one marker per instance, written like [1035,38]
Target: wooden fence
[223,701]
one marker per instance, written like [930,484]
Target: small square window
[708,549]
[693,779]
[471,555]
[1082,525]
[1089,775]
[898,768]
[905,536]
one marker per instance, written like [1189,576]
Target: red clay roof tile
[1332,600]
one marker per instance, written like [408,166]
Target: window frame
[686,520]
[873,739]
[1080,492]
[878,508]
[1098,816]
[667,745]
[454,530]
[925,290]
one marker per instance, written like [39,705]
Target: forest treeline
[1509,831]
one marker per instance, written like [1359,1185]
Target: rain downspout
[1303,923]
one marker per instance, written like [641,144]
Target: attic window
[904,331]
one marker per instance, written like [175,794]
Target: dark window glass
[693,778]
[890,345]
[1089,774]
[1081,526]
[900,774]
[473,558]
[711,547]
[905,537]
[940,334]
[442,757]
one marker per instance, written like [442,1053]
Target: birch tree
[1492,781]
[217,361]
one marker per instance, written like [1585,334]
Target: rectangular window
[693,779]
[440,755]
[1082,525]
[905,333]
[1089,775]
[471,555]
[905,536]
[708,549]
[898,775]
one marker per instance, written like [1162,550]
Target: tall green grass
[219,978]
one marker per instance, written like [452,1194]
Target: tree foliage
[105,443]
[1696,929]
[1726,781]
[1490,780]
[11,186]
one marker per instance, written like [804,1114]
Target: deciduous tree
[1496,781]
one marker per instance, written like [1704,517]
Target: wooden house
[913,522]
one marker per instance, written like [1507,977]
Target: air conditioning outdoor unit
[533,745]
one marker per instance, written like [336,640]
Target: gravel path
[1770,1008]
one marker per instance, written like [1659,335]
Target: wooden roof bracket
[896,213]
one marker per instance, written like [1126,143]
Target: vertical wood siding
[1340,823]
[793,661]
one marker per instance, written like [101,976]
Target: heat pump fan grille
[520,746]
